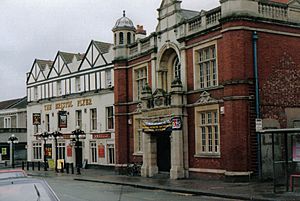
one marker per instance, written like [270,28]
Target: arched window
[177,68]
[121,38]
[115,39]
[128,38]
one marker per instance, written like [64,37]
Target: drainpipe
[257,100]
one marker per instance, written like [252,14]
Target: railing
[13,130]
[213,16]
[195,24]
[203,21]
[145,45]
[274,11]
[133,50]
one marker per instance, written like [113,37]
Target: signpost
[258,125]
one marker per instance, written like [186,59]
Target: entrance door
[164,152]
[78,151]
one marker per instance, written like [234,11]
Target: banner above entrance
[161,125]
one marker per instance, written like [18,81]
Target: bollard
[27,164]
[62,167]
[32,164]
[45,166]
[72,168]
[67,168]
[39,166]
[5,163]
[23,165]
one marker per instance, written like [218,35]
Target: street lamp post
[44,136]
[77,134]
[56,135]
[12,140]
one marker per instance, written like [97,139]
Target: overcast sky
[39,28]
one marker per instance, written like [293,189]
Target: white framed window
[140,75]
[108,80]
[138,135]
[47,122]
[93,118]
[77,84]
[37,150]
[110,118]
[93,152]
[206,69]
[7,122]
[78,118]
[110,154]
[61,150]
[35,93]
[59,88]
[207,131]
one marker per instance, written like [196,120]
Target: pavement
[258,191]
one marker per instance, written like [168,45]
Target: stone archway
[169,66]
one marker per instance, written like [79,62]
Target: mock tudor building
[73,90]
[187,95]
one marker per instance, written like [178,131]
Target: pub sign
[36,118]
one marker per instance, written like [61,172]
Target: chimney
[140,32]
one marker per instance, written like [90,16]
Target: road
[69,190]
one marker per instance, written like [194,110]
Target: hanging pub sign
[176,123]
[62,119]
[36,118]
[157,125]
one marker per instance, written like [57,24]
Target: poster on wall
[3,151]
[62,119]
[296,152]
[36,119]
[101,151]
[69,151]
[48,151]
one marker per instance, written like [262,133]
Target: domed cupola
[124,23]
[124,31]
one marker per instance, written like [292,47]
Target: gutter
[257,100]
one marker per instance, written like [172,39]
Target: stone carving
[205,98]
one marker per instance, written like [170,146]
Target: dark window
[121,38]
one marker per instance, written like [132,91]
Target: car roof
[26,189]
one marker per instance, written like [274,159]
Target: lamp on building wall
[44,136]
[12,140]
[56,135]
[77,134]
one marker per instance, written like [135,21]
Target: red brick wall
[279,75]
[235,70]
[121,94]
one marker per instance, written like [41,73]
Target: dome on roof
[124,23]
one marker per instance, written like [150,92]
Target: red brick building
[186,96]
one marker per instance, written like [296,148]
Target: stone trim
[204,170]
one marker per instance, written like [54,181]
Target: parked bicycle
[134,169]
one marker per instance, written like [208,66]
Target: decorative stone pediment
[205,98]
[294,4]
[159,93]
